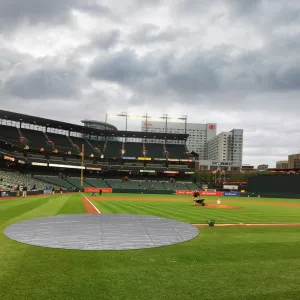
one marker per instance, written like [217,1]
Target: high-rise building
[199,134]
[294,161]
[283,164]
[227,146]
[224,150]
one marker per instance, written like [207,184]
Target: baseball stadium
[99,213]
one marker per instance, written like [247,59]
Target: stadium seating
[11,135]
[55,159]
[37,158]
[175,186]
[155,151]
[77,182]
[153,185]
[98,146]
[136,185]
[35,139]
[119,184]
[54,181]
[178,166]
[88,148]
[13,179]
[73,162]
[176,150]
[62,143]
[94,182]
[133,150]
[192,186]
[113,149]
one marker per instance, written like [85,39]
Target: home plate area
[101,232]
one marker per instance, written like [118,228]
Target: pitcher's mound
[221,206]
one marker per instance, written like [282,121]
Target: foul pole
[82,167]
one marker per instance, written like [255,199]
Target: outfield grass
[221,263]
[249,211]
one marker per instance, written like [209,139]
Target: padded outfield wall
[281,186]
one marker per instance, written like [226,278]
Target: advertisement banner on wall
[231,193]
[207,193]
[47,192]
[230,187]
[184,192]
[96,190]
[4,194]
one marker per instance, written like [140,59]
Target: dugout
[277,186]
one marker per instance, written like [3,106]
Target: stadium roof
[112,127]
[17,117]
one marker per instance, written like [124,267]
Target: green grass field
[221,263]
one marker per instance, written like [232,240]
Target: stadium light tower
[184,118]
[124,114]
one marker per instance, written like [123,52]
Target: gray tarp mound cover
[101,232]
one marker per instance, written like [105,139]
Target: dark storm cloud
[43,84]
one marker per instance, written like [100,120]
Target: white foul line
[97,210]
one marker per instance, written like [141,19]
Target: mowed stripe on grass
[250,212]
[261,263]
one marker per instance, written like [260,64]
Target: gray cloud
[122,67]
[150,33]
[43,84]
[233,62]
[106,40]
[16,12]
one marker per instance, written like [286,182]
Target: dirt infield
[219,206]
[252,225]
[89,207]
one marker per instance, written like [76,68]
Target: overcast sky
[233,62]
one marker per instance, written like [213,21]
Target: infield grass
[221,263]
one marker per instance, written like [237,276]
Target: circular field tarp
[101,232]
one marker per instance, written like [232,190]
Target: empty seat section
[175,186]
[35,139]
[77,182]
[57,160]
[14,179]
[119,184]
[62,142]
[37,158]
[98,146]
[113,149]
[133,149]
[155,150]
[99,183]
[192,186]
[54,181]
[88,150]
[153,185]
[178,167]
[10,134]
[176,151]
